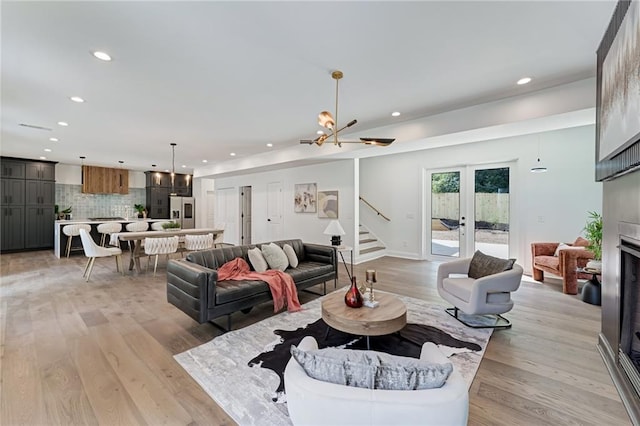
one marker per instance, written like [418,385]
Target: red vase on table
[353,298]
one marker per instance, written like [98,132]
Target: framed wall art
[328,204]
[305,198]
[618,93]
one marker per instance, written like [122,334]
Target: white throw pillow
[291,255]
[563,246]
[275,256]
[257,260]
[371,369]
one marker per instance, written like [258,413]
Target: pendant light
[173,169]
[538,167]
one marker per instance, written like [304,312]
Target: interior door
[468,209]
[275,227]
[226,213]
[245,215]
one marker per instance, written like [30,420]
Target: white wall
[70,174]
[338,175]
[550,206]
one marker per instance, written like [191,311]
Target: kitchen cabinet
[39,233]
[40,192]
[158,203]
[12,236]
[40,171]
[104,180]
[12,192]
[27,204]
[12,169]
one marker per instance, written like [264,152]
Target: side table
[342,250]
[592,290]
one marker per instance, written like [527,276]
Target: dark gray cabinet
[40,171]
[13,169]
[12,236]
[27,202]
[158,203]
[40,192]
[12,192]
[39,233]
[159,188]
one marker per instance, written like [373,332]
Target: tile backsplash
[98,205]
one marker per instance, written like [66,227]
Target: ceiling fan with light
[327,120]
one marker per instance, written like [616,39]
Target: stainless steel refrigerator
[183,211]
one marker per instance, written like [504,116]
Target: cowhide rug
[243,370]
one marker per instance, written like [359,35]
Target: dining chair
[157,246]
[93,250]
[219,237]
[198,242]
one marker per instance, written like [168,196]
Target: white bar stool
[73,231]
[108,228]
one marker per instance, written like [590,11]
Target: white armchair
[482,296]
[314,402]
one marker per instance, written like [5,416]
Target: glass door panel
[445,214]
[491,211]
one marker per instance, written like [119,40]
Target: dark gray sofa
[193,286]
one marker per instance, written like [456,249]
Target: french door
[468,209]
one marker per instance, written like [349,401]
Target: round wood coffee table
[388,317]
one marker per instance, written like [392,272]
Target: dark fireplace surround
[620,349]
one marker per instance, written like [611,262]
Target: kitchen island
[60,240]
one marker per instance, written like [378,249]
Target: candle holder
[370,279]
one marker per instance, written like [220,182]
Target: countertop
[89,221]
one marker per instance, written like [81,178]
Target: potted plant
[142,212]
[167,226]
[593,233]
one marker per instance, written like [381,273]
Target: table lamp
[335,230]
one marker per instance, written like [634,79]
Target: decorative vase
[353,298]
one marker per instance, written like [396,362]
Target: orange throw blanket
[282,286]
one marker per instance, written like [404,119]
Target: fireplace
[629,345]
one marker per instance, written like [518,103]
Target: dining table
[135,240]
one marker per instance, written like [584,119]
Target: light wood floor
[102,352]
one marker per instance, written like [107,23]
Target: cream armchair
[487,295]
[314,402]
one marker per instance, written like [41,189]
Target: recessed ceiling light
[395,114]
[77,99]
[204,161]
[101,55]
[184,167]
[43,158]
[166,170]
[319,132]
[47,150]
[233,154]
[53,139]
[269,145]
[524,80]
[62,123]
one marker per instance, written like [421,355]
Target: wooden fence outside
[492,208]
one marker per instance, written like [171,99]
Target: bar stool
[73,231]
[108,229]
[136,227]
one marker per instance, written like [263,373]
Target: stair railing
[374,209]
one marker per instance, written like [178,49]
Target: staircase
[370,247]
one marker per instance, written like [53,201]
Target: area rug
[242,370]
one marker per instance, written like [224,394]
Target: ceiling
[223,77]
